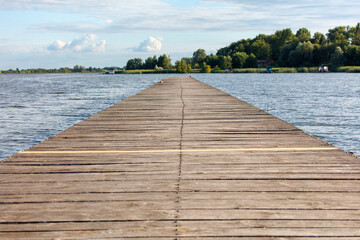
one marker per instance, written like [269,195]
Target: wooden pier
[181,160]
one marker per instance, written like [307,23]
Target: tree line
[75,69]
[339,47]
[163,62]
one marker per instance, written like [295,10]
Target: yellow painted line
[187,150]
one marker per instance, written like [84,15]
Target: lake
[35,107]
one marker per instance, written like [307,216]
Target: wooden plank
[87,197]
[90,186]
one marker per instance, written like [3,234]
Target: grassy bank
[276,70]
[146,71]
[349,69]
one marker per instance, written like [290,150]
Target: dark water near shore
[35,107]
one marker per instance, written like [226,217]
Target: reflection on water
[35,107]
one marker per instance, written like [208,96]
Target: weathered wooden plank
[193,200]
[90,186]
[17,169]
[202,227]
[109,212]
[271,185]
[200,158]
[286,214]
[87,197]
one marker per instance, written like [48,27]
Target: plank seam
[180,162]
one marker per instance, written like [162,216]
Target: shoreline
[196,71]
[345,69]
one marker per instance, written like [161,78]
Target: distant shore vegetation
[75,69]
[283,51]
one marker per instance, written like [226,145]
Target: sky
[100,33]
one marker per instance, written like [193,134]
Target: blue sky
[63,33]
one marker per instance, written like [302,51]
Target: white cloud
[150,45]
[83,44]
[57,45]
[96,47]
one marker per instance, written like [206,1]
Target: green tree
[283,60]
[325,52]
[317,60]
[138,63]
[353,55]
[355,35]
[280,39]
[239,47]
[188,60]
[295,58]
[130,65]
[302,55]
[212,60]
[225,62]
[223,51]
[239,59]
[133,64]
[261,49]
[318,38]
[338,58]
[339,35]
[251,61]
[188,68]
[303,35]
[178,66]
[77,69]
[205,68]
[150,63]
[164,61]
[199,56]
[182,67]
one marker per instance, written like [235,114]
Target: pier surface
[181,160]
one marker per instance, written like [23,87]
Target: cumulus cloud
[83,44]
[57,45]
[150,45]
[96,47]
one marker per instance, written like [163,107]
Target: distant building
[111,71]
[264,63]
[323,68]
